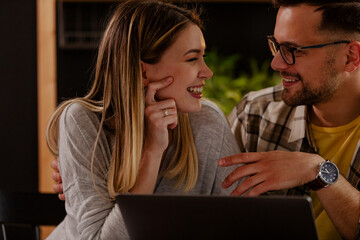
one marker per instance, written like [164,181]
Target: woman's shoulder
[211,108]
[76,116]
[77,109]
[209,117]
[78,112]
[209,113]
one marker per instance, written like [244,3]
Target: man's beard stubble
[312,96]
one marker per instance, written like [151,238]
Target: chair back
[30,209]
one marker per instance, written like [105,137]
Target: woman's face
[183,61]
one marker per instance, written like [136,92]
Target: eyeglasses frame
[293,49]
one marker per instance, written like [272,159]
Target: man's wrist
[327,174]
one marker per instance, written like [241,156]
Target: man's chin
[291,101]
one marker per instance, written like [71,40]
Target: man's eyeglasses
[287,52]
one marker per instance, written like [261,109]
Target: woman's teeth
[196,90]
[290,80]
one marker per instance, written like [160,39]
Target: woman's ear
[145,79]
[353,56]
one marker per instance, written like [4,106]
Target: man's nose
[278,63]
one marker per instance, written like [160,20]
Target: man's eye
[298,52]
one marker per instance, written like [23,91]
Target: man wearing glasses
[312,118]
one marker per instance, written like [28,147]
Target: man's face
[313,79]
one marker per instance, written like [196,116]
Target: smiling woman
[142,128]
[185,63]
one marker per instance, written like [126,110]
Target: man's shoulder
[270,94]
[261,99]
[266,103]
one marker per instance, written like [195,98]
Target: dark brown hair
[343,16]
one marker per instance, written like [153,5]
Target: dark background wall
[234,27]
[230,27]
[18,95]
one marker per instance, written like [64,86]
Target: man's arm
[276,170]
[341,201]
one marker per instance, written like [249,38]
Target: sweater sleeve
[87,198]
[214,140]
[228,147]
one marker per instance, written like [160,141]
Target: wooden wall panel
[46,50]
[46,85]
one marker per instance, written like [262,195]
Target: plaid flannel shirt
[263,122]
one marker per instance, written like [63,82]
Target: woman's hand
[160,116]
[58,187]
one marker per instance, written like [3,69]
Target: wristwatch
[328,173]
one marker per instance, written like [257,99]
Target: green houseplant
[226,88]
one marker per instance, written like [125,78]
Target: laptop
[217,217]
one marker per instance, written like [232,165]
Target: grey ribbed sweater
[90,216]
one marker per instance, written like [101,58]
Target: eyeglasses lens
[272,47]
[286,53]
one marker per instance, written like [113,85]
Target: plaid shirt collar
[299,124]
[300,127]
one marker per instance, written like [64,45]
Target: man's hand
[269,171]
[58,188]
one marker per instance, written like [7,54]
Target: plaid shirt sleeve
[263,122]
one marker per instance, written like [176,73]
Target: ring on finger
[166,113]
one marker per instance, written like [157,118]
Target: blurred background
[47,54]
[48,50]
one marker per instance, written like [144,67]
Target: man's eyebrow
[291,44]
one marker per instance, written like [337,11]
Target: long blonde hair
[137,31]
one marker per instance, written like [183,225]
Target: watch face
[329,173]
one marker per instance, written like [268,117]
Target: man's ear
[353,56]
[145,79]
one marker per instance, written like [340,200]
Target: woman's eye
[192,59]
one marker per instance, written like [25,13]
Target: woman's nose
[205,72]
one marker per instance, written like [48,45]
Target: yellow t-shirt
[338,145]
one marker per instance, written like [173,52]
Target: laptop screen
[217,217]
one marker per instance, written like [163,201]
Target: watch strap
[316,184]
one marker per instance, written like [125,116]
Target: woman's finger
[158,108]
[155,86]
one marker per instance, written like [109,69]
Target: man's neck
[335,113]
